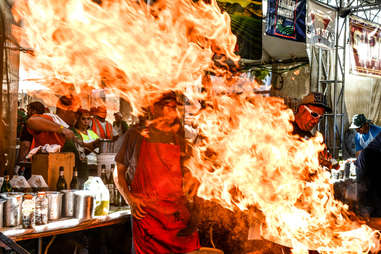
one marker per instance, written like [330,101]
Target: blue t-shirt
[362,140]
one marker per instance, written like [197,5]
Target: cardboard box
[48,164]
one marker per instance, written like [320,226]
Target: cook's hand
[69,134]
[96,143]
[325,159]
[137,207]
[190,185]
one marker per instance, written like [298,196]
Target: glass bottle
[74,184]
[110,185]
[61,183]
[28,211]
[41,210]
[6,187]
[103,174]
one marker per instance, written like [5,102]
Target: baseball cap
[316,99]
[358,121]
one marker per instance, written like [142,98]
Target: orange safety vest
[98,129]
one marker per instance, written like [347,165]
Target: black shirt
[25,135]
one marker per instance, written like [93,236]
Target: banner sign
[366,47]
[321,23]
[286,19]
[246,24]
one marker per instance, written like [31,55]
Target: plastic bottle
[102,196]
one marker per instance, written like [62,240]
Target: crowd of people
[75,129]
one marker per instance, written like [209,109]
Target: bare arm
[37,123]
[24,149]
[120,181]
[358,153]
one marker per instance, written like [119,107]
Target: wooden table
[64,226]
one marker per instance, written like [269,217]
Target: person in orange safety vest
[99,124]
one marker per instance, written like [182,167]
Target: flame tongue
[247,156]
[121,43]
[251,159]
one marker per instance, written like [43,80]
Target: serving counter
[66,225]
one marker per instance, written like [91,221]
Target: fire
[247,156]
[123,45]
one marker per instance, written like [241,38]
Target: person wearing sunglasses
[309,112]
[365,132]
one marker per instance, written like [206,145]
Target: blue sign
[287,19]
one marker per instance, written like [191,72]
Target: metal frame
[334,85]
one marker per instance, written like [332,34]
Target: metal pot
[106,146]
[84,205]
[12,208]
[68,203]
[54,204]
[2,201]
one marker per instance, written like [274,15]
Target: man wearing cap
[310,111]
[365,132]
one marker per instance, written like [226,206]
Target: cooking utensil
[106,146]
[83,205]
[12,208]
[68,203]
[2,202]
[54,204]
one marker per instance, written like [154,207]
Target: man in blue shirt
[369,175]
[366,132]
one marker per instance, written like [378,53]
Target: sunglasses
[313,114]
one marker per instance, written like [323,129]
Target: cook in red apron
[158,181]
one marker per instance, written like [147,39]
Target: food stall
[35,209]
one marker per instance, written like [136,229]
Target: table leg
[39,248]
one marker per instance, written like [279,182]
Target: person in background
[369,175]
[309,112]
[26,138]
[154,188]
[119,125]
[54,128]
[89,137]
[21,119]
[100,125]
[365,132]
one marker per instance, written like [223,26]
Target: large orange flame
[123,44]
[247,156]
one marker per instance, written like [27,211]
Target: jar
[41,211]
[27,210]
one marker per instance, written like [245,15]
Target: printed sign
[286,19]
[246,24]
[366,47]
[321,23]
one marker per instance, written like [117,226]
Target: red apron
[158,180]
